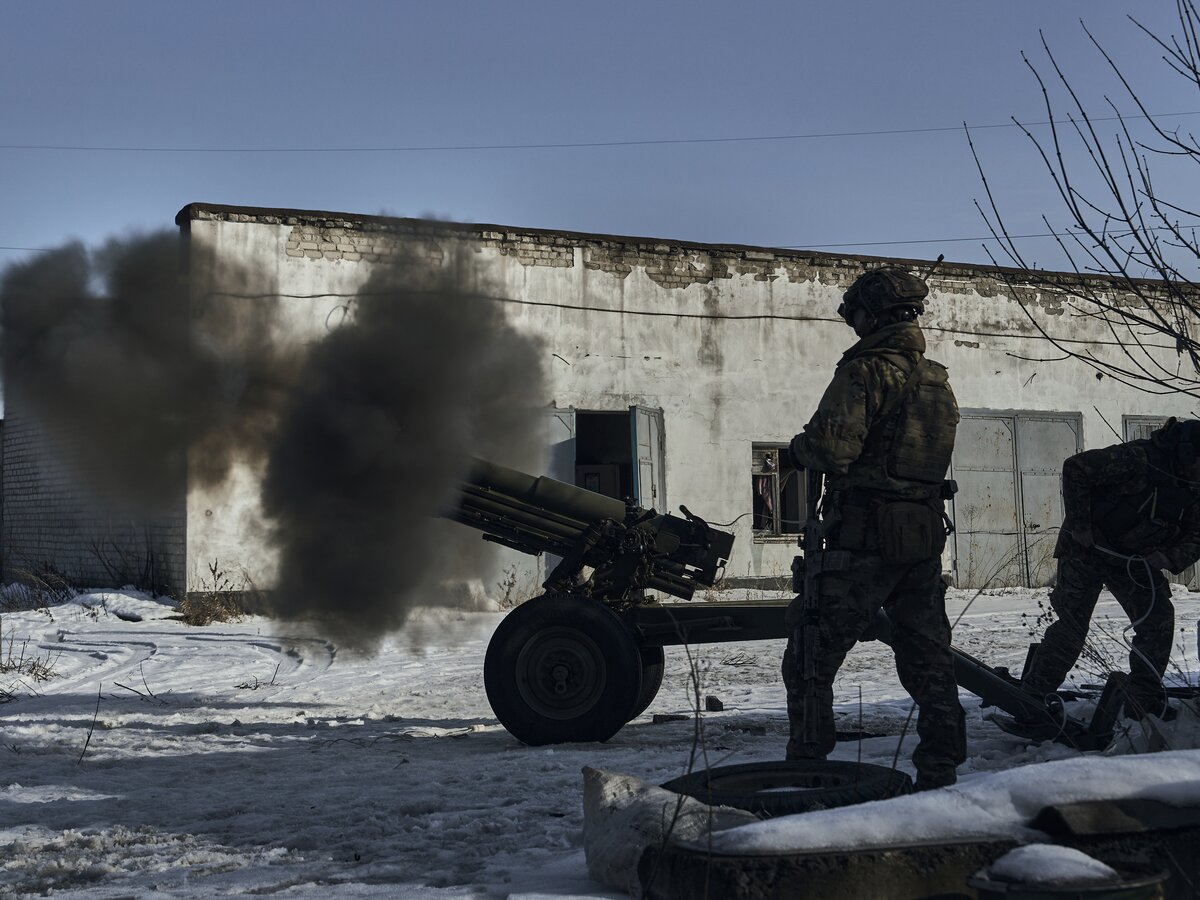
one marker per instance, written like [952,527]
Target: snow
[244,757]
[623,815]
[1049,864]
[980,807]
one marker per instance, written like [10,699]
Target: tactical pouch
[910,532]
[852,529]
[799,570]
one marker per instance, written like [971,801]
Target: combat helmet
[885,288]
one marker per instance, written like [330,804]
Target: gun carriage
[586,656]
[582,659]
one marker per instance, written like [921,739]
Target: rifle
[806,569]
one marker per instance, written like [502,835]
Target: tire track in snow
[117,658]
[290,652]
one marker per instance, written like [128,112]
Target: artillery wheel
[560,669]
[782,788]
[653,665]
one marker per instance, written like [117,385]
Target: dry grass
[222,597]
[21,662]
[34,590]
[515,587]
[207,607]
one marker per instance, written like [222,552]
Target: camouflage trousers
[914,599]
[1143,594]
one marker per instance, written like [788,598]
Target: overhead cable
[562,145]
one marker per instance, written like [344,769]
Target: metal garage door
[1009,504]
[986,539]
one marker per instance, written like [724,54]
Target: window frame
[780,530]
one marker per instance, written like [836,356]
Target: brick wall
[52,525]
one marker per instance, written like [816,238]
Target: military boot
[798,747]
[932,779]
[1041,724]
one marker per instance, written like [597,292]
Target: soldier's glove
[792,455]
[1157,560]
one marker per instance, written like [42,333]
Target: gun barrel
[546,493]
[530,514]
[516,524]
[629,548]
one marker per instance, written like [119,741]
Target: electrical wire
[674,314]
[1130,559]
[571,145]
[954,240]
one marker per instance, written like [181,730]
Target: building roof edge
[193,211]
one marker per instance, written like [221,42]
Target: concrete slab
[895,873]
[1125,833]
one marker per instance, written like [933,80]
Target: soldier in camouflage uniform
[1131,510]
[883,434]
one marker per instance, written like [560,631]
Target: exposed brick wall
[321,241]
[670,264]
[51,524]
[353,243]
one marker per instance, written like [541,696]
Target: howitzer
[629,549]
[579,661]
[585,657]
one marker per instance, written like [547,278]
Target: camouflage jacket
[1134,503]
[868,382]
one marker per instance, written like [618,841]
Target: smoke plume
[144,372]
[98,348]
[383,420]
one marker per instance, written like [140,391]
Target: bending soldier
[1130,510]
[882,434]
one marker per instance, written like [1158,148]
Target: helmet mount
[881,290]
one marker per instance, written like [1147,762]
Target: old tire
[786,787]
[653,666]
[561,669]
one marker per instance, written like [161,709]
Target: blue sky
[244,78]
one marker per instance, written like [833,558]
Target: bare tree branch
[1132,256]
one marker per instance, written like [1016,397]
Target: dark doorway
[604,453]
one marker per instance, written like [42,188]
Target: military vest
[1149,518]
[912,439]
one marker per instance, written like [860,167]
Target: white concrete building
[678,370]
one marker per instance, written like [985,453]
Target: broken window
[777,492]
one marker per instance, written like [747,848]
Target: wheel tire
[561,669]
[783,788]
[653,666]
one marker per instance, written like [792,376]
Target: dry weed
[22,661]
[35,590]
[207,607]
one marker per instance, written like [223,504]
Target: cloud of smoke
[384,417]
[131,362]
[98,347]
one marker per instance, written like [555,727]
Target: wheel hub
[560,673]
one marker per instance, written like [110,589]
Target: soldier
[1131,510]
[882,434]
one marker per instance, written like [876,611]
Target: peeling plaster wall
[735,344]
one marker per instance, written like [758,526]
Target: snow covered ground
[163,759]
